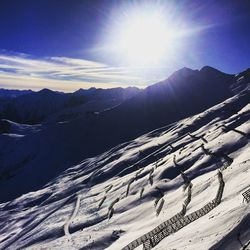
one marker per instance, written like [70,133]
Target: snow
[64,214]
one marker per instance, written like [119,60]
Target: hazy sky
[68,44]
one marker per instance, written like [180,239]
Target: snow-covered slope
[10,127]
[75,133]
[110,200]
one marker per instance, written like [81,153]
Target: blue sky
[64,44]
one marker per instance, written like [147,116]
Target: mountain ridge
[57,146]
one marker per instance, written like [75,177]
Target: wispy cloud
[67,74]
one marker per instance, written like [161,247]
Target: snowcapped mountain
[143,173]
[36,107]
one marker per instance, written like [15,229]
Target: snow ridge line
[174,224]
[66,225]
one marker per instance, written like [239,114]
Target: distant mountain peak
[183,72]
[82,91]
[206,71]
[45,91]
[209,69]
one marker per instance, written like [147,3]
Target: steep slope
[108,201]
[58,146]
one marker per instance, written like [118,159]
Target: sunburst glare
[147,34]
[143,35]
[144,39]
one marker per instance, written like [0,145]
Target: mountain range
[121,168]
[71,127]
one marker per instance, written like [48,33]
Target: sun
[148,35]
[143,38]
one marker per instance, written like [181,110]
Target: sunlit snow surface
[40,220]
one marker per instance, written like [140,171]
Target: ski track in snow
[77,206]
